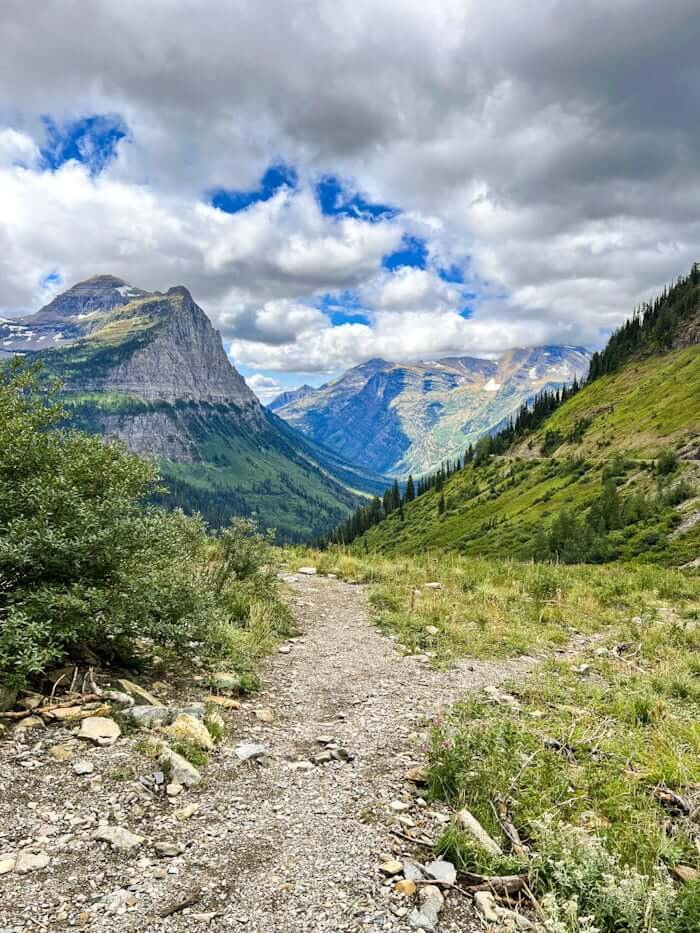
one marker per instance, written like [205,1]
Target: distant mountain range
[149,368]
[401,418]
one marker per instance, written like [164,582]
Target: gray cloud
[549,147]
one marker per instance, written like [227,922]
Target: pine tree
[410,489]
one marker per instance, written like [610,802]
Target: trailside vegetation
[87,564]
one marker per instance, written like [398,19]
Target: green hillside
[600,493]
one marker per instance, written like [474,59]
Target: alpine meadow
[350,467]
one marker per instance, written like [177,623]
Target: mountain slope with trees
[595,473]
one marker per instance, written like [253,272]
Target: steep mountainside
[613,472]
[400,418]
[149,369]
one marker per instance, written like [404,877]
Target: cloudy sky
[341,179]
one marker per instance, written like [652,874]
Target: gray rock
[179,768]
[426,917]
[99,729]
[147,716]
[442,871]
[8,697]
[250,751]
[412,871]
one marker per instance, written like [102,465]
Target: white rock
[432,586]
[7,864]
[119,838]
[28,861]
[284,649]
[173,789]
[189,729]
[83,767]
[186,812]
[308,571]
[250,751]
[100,730]
[486,904]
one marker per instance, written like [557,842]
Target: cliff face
[149,369]
[399,418]
[179,356]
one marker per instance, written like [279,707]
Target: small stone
[432,630]
[685,873]
[342,754]
[399,806]
[391,867]
[168,849]
[307,571]
[119,838]
[432,586]
[250,751]
[264,714]
[189,729]
[83,767]
[323,758]
[186,812]
[417,775]
[173,789]
[485,903]
[405,887]
[60,752]
[145,716]
[100,730]
[324,739]
[28,861]
[284,649]
[302,766]
[412,872]
[442,871]
[7,864]
[432,902]
[225,702]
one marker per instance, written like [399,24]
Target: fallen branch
[188,901]
[497,884]
[41,710]
[428,843]
[500,810]
[672,800]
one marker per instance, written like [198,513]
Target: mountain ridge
[149,369]
[401,418]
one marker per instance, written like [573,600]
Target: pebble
[100,730]
[284,649]
[28,861]
[250,751]
[168,849]
[173,789]
[264,714]
[391,867]
[83,767]
[186,812]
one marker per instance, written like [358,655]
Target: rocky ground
[299,821]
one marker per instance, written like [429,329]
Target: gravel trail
[274,846]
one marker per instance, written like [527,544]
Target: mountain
[613,472]
[286,398]
[149,368]
[401,418]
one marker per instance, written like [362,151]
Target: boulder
[441,870]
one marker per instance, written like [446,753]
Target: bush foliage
[85,560]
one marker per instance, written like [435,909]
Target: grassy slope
[580,751]
[496,510]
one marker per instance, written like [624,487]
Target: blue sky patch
[343,308]
[91,141]
[412,252]
[232,201]
[52,278]
[452,274]
[336,201]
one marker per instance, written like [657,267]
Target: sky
[343,179]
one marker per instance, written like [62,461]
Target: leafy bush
[85,560]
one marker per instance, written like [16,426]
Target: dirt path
[273,847]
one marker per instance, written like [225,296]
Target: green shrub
[85,560]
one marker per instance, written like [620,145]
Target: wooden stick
[419,842]
[40,710]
